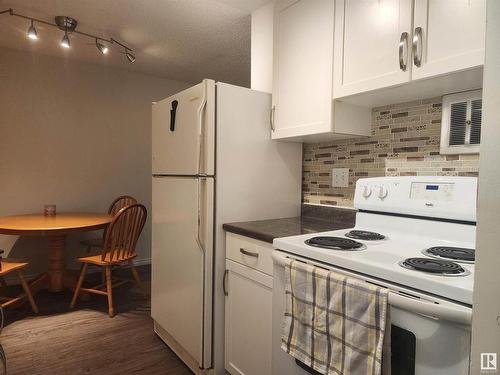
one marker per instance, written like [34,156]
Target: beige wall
[486,316]
[73,134]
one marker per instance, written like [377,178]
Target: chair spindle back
[122,234]
[120,202]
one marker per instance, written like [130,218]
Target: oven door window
[403,349]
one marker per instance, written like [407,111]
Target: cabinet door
[449,36]
[302,73]
[248,320]
[368,34]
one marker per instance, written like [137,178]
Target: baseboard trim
[142,262]
[13,279]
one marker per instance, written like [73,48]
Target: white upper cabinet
[448,36]
[372,45]
[303,109]
[302,77]
[385,50]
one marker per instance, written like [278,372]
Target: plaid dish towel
[334,324]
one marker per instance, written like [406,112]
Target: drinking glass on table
[49,210]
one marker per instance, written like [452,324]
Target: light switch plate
[340,177]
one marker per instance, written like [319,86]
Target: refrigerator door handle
[173,111]
[201,111]
[198,235]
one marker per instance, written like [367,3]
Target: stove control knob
[367,191]
[382,192]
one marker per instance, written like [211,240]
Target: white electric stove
[416,237]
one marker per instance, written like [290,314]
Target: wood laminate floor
[85,340]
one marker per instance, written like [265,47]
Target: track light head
[101,47]
[130,57]
[31,34]
[65,43]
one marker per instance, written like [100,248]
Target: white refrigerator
[213,162]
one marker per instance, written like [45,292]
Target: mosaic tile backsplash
[405,142]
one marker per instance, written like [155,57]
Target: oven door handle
[452,313]
[457,314]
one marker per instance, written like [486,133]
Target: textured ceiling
[186,40]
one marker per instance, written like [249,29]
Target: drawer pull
[249,253]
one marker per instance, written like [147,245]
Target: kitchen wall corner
[405,142]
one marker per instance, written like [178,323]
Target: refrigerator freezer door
[183,132]
[182,262]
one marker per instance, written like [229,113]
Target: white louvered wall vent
[461,123]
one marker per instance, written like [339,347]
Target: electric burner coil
[364,235]
[334,243]
[434,266]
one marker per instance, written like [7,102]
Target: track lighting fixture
[101,47]
[32,32]
[68,25]
[65,43]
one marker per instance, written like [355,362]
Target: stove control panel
[432,191]
[430,196]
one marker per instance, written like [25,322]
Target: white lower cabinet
[248,319]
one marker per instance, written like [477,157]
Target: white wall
[73,134]
[262,48]
[486,315]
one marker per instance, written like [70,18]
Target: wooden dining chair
[114,208]
[119,245]
[8,266]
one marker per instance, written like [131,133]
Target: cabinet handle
[249,253]
[224,287]
[403,51]
[271,119]
[417,46]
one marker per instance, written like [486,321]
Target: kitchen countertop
[268,230]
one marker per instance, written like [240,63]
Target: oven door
[420,344]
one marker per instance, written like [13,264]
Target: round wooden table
[55,228]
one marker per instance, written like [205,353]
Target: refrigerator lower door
[183,132]
[182,262]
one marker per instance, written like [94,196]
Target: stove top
[434,266]
[334,243]
[403,238]
[457,254]
[364,235]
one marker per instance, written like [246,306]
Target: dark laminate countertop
[309,222]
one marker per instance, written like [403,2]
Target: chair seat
[97,260]
[11,266]
[93,242]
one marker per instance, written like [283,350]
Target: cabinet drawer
[252,253]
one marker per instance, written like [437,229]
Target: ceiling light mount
[66,23]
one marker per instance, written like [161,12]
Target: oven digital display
[432,192]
